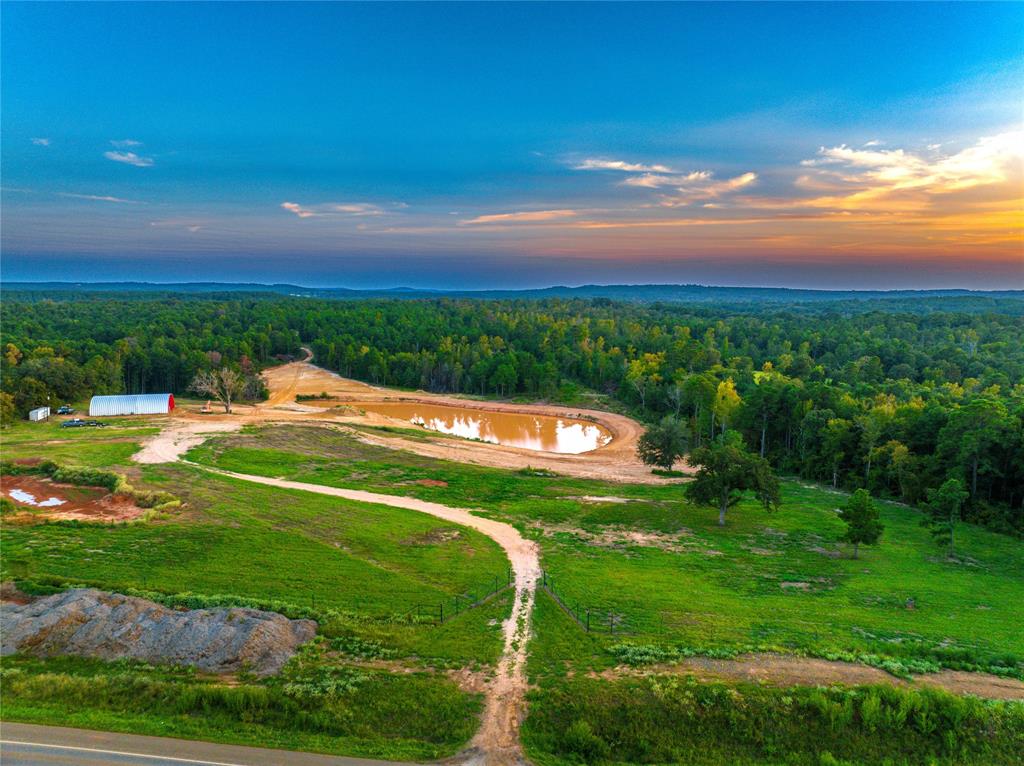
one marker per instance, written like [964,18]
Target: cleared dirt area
[615,461]
[40,498]
[783,670]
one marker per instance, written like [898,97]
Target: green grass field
[675,580]
[780,580]
[364,570]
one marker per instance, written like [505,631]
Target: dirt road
[786,670]
[497,741]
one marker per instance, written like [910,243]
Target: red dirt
[431,483]
[783,670]
[80,503]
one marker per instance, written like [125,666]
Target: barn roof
[131,404]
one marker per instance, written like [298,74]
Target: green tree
[727,402]
[942,512]
[726,469]
[8,410]
[863,526]
[664,443]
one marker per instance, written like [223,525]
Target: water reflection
[511,429]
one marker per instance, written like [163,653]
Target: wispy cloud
[657,180]
[126,143]
[40,141]
[129,158]
[176,223]
[340,209]
[621,165]
[526,216]
[99,198]
[707,189]
[862,178]
[678,187]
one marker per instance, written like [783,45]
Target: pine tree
[863,526]
[943,512]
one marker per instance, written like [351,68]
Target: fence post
[441,605]
[588,620]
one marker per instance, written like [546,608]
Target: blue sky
[476,145]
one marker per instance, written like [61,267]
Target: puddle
[544,433]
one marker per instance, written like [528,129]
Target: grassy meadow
[780,581]
[363,571]
[677,582]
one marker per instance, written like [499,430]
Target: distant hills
[634,293]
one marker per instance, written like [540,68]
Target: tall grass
[678,720]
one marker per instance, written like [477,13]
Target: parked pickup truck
[79,423]
[67,409]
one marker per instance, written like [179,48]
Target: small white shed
[39,413]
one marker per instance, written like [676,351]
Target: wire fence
[424,613]
[592,618]
[444,611]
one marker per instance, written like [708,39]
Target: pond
[544,433]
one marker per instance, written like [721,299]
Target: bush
[580,741]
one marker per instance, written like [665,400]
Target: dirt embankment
[783,670]
[92,623]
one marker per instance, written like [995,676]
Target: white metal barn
[39,413]
[131,404]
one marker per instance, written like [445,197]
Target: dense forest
[894,400]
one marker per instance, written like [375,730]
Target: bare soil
[78,503]
[783,670]
[616,461]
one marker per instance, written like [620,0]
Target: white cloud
[874,173]
[358,208]
[126,143]
[620,165]
[129,158]
[41,141]
[655,180]
[706,188]
[99,198]
[295,207]
[341,209]
[526,216]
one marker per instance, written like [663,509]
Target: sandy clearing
[177,439]
[784,670]
[617,461]
[497,740]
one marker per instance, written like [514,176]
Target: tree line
[895,402]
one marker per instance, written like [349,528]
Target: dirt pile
[92,623]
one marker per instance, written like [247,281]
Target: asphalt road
[30,745]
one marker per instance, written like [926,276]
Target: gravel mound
[92,623]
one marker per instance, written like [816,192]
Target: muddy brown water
[543,433]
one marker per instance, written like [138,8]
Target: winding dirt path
[497,741]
